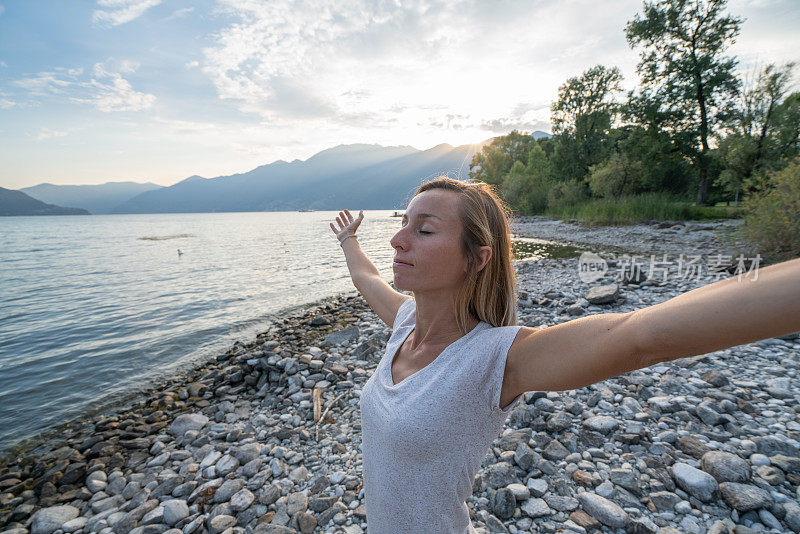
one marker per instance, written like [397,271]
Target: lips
[400,262]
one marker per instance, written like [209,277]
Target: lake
[93,307]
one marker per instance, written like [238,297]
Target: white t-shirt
[424,439]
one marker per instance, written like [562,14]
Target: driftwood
[316,398]
[322,417]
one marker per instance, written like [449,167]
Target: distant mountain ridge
[97,199]
[18,203]
[369,176]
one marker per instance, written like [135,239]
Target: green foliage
[787,127]
[664,165]
[495,159]
[752,147]
[657,141]
[617,176]
[582,117]
[567,193]
[682,62]
[736,152]
[527,186]
[634,209]
[587,98]
[772,215]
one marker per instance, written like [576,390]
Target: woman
[457,363]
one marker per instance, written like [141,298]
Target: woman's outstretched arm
[724,314]
[380,296]
[710,318]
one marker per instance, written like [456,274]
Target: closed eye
[424,232]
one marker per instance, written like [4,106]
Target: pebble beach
[265,438]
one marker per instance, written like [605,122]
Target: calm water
[93,306]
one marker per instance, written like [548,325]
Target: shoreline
[258,399]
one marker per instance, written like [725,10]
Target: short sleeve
[497,366]
[402,312]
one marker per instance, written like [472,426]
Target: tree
[753,145]
[526,187]
[617,176]
[582,117]
[584,97]
[787,126]
[495,159]
[653,136]
[682,62]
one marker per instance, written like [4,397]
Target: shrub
[566,193]
[617,176]
[772,215]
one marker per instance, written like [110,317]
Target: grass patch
[634,209]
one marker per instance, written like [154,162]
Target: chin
[399,285]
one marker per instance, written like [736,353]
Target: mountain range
[367,176]
[18,203]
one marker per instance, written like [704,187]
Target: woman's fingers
[346,221]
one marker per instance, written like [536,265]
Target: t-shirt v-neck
[438,358]
[424,439]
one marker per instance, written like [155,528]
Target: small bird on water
[179,253]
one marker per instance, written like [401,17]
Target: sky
[159,90]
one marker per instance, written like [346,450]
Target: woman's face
[430,244]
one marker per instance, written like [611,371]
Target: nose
[398,241]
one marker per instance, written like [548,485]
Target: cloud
[178,14]
[47,133]
[513,123]
[53,82]
[114,93]
[116,12]
[106,89]
[6,103]
[366,64]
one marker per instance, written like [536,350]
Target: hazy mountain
[538,134]
[363,175]
[18,203]
[96,199]
[366,176]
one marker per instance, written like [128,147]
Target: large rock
[503,503]
[226,464]
[220,523]
[771,445]
[242,499]
[247,453]
[228,489]
[601,423]
[744,497]
[345,335]
[174,511]
[603,294]
[48,520]
[695,482]
[536,508]
[187,421]
[500,475]
[555,450]
[725,466]
[605,511]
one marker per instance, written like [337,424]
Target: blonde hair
[491,293]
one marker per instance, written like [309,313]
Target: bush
[772,215]
[631,209]
[617,176]
[566,193]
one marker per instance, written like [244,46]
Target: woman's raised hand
[347,224]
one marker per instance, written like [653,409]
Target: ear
[485,254]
